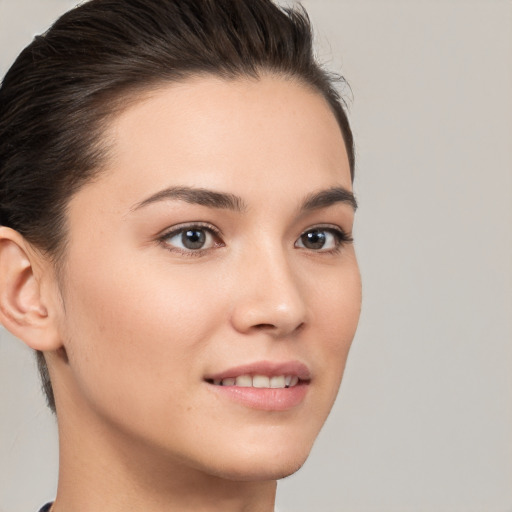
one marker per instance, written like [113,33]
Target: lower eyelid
[342,238]
[180,229]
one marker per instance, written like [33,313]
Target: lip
[264,399]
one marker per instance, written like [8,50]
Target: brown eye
[314,239]
[322,239]
[191,238]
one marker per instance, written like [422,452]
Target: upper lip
[268,368]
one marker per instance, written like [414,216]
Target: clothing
[46,508]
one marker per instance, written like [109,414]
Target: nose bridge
[269,295]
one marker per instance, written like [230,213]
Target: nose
[269,296]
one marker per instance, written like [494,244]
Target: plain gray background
[424,418]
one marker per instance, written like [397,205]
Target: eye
[191,238]
[323,239]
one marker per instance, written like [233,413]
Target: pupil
[193,238]
[314,239]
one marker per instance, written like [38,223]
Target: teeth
[244,381]
[277,382]
[259,381]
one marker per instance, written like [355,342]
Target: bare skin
[143,316]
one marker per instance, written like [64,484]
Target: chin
[266,463]
[269,471]
[278,472]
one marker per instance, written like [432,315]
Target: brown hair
[58,95]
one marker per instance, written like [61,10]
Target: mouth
[265,385]
[258,381]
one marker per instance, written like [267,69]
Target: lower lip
[264,399]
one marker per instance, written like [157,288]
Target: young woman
[176,214]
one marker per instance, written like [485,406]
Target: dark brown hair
[56,99]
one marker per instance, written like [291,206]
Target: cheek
[133,329]
[336,300]
[337,307]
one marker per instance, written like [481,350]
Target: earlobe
[23,308]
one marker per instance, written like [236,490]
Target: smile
[264,385]
[258,381]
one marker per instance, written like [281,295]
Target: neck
[104,469]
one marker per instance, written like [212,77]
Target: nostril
[262,327]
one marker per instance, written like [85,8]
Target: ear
[25,310]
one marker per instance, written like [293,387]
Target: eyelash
[176,230]
[341,236]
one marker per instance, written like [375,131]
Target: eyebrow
[329,197]
[223,200]
[201,196]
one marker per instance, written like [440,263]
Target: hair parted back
[58,96]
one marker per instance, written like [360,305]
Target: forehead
[240,134]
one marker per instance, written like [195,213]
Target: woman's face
[211,292]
